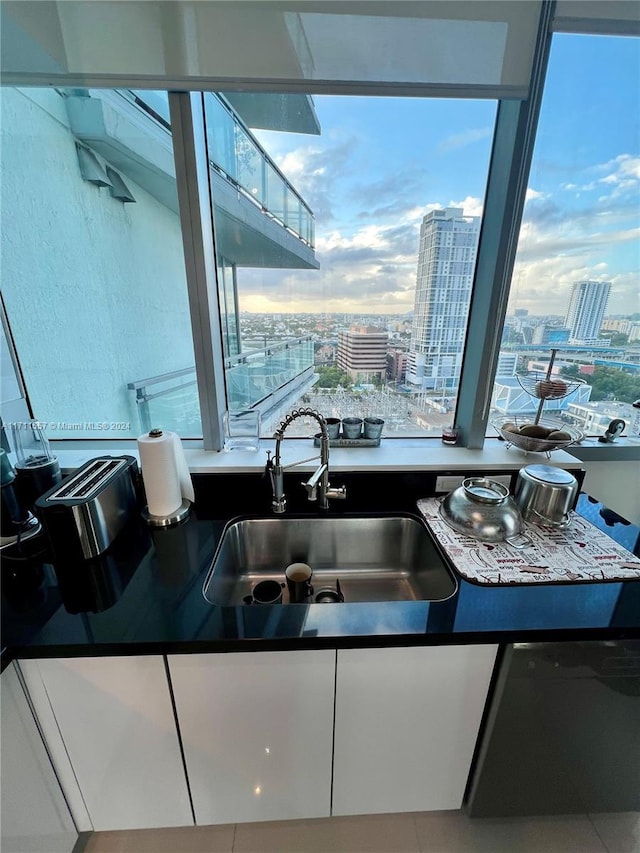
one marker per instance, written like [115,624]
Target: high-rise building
[446,261]
[623,327]
[586,310]
[362,352]
[552,335]
[396,364]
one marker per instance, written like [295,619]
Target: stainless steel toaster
[84,513]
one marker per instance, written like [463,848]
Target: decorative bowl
[484,509]
[554,388]
[531,444]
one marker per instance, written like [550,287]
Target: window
[328,239]
[361,215]
[575,283]
[13,405]
[93,274]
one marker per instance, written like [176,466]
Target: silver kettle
[546,495]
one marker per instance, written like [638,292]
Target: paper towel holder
[168,520]
[180,514]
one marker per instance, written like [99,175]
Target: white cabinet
[257,733]
[406,726]
[117,723]
[35,816]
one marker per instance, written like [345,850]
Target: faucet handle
[336,492]
[312,489]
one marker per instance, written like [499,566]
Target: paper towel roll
[164,472]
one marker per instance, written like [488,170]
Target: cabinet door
[35,816]
[406,726]
[117,723]
[257,733]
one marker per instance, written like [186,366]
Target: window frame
[510,161]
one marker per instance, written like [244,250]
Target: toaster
[84,512]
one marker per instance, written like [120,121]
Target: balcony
[261,220]
[268,379]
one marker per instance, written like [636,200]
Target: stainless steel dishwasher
[562,734]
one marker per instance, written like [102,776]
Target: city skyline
[381,164]
[406,316]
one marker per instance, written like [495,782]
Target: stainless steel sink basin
[390,558]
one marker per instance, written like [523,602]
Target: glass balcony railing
[255,375]
[234,151]
[236,154]
[170,400]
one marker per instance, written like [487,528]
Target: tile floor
[424,832]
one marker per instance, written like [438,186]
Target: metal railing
[236,154]
[143,397]
[170,399]
[255,375]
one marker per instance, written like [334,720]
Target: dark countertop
[144,596]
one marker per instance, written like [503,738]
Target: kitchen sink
[375,558]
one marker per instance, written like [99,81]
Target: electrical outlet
[449,483]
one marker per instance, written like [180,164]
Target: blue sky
[381,164]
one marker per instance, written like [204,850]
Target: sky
[380,164]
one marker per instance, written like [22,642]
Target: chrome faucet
[318,482]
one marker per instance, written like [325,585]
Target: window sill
[621,450]
[392,455]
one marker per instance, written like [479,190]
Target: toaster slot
[88,480]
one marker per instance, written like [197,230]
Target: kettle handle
[566,519]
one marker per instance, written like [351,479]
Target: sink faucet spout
[319,480]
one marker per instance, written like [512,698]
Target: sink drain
[329,595]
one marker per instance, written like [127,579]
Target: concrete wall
[95,289]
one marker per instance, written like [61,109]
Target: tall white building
[586,310]
[446,261]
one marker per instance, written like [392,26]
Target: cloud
[562,247]
[389,195]
[623,173]
[372,269]
[543,211]
[368,222]
[317,172]
[471,205]
[467,137]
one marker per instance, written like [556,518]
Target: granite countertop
[144,596]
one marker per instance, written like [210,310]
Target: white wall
[616,485]
[95,289]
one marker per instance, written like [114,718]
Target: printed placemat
[573,554]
